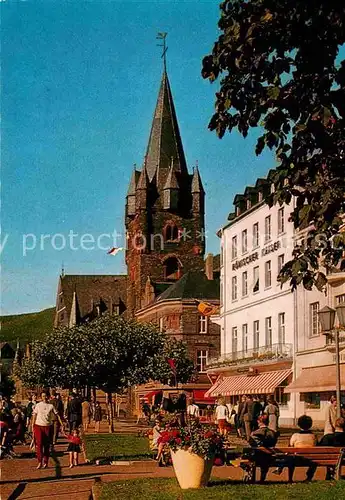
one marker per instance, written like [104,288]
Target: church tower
[164,210]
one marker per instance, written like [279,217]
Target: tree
[280,69]
[109,353]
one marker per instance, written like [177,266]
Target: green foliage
[26,327]
[278,65]
[109,353]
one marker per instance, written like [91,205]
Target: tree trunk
[110,412]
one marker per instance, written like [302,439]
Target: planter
[192,471]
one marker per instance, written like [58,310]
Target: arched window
[171,268]
[171,232]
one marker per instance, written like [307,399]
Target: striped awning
[261,383]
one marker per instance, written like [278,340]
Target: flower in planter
[205,442]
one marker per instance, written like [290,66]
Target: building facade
[266,337]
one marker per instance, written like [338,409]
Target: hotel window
[281,328]
[234,247]
[340,299]
[255,235]
[256,334]
[256,279]
[314,325]
[244,284]
[234,341]
[244,241]
[245,337]
[280,262]
[201,360]
[268,274]
[234,287]
[203,324]
[267,229]
[281,225]
[268,332]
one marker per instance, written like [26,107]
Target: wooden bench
[319,456]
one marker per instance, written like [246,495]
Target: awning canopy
[317,379]
[149,396]
[262,383]
[199,396]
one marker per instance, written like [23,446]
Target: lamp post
[327,319]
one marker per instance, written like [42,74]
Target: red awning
[262,383]
[199,396]
[151,394]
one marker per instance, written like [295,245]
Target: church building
[165,226]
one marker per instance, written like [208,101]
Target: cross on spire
[162,36]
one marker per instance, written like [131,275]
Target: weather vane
[162,36]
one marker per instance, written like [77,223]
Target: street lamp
[327,319]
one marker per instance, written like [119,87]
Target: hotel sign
[270,248]
[245,261]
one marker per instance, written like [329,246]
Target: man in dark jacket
[74,412]
[263,436]
[248,416]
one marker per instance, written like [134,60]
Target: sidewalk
[21,480]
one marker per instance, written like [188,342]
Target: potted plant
[193,450]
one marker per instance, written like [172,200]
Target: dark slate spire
[165,140]
[141,198]
[143,182]
[133,182]
[171,182]
[197,186]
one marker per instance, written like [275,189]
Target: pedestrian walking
[330,416]
[193,410]
[97,416]
[222,414]
[86,414]
[75,446]
[42,420]
[272,411]
[74,412]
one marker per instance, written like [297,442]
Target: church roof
[165,140]
[91,289]
[143,181]
[192,285]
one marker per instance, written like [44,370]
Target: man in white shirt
[193,410]
[43,417]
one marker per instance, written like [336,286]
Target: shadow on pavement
[17,491]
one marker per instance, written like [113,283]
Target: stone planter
[191,470]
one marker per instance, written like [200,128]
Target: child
[74,444]
[157,432]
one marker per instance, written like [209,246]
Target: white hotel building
[270,336]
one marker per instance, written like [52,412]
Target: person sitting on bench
[337,438]
[266,437]
[305,438]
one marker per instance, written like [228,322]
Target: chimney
[209,266]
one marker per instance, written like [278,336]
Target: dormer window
[260,196]
[248,204]
[238,210]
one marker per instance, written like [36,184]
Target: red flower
[178,440]
[218,461]
[209,434]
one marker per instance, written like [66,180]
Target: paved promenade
[20,479]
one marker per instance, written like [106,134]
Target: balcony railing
[251,356]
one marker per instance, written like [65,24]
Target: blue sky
[80,82]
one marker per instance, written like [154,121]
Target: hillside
[26,327]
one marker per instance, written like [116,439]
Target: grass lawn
[168,489]
[116,447]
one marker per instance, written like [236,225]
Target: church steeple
[165,140]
